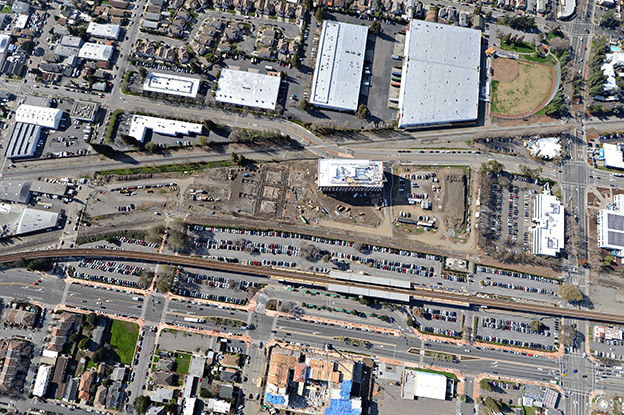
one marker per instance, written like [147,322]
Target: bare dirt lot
[504,70]
[525,92]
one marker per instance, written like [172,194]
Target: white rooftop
[613,156]
[611,226]
[424,385]
[339,65]
[183,86]
[566,9]
[33,220]
[163,126]
[247,88]
[108,31]
[547,148]
[41,381]
[440,77]
[548,234]
[349,172]
[5,41]
[43,116]
[613,61]
[96,52]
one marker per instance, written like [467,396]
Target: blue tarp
[345,389]
[274,399]
[342,407]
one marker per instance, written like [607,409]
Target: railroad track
[314,279]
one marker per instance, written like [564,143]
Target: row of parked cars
[516,274]
[205,296]
[532,290]
[107,280]
[516,343]
[520,327]
[110,266]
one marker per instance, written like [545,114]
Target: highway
[317,279]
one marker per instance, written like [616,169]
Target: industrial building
[182,86]
[347,175]
[23,141]
[248,89]
[105,31]
[339,66]
[547,236]
[42,116]
[417,384]
[440,75]
[41,380]
[96,52]
[35,220]
[611,227]
[5,42]
[343,279]
[140,124]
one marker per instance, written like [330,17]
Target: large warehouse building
[339,65]
[248,89]
[29,120]
[440,75]
[611,227]
[182,86]
[347,175]
[140,124]
[417,384]
[42,116]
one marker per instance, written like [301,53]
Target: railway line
[314,279]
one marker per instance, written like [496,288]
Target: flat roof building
[611,226]
[140,124]
[339,66]
[613,156]
[247,88]
[548,234]
[23,141]
[440,75]
[423,385]
[41,381]
[182,86]
[34,220]
[347,175]
[106,31]
[15,191]
[96,52]
[45,117]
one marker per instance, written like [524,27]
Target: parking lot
[507,212]
[608,346]
[285,250]
[214,286]
[515,330]
[516,284]
[71,137]
[439,320]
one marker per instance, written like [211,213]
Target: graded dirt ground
[530,88]
[504,70]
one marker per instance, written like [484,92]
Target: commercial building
[23,141]
[565,9]
[423,385]
[182,86]
[248,89]
[5,42]
[548,234]
[613,155]
[343,279]
[608,333]
[41,381]
[440,75]
[96,52]
[140,124]
[42,116]
[611,226]
[105,31]
[15,191]
[339,65]
[347,175]
[35,220]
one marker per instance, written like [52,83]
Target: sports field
[519,87]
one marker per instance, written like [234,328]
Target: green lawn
[123,339]
[524,48]
[183,362]
[447,374]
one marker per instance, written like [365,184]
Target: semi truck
[194,320]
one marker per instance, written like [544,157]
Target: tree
[205,393]
[375,28]
[151,147]
[141,403]
[570,293]
[477,11]
[493,405]
[362,112]
[84,343]
[559,45]
[164,281]
[364,301]
[91,319]
[567,335]
[142,72]
[129,140]
[320,14]
[485,385]
[283,75]
[210,125]
[155,234]
[536,325]
[177,234]
[488,15]
[530,173]
[146,278]
[492,166]
[326,258]
[202,140]
[28,46]
[296,61]
[304,105]
[609,20]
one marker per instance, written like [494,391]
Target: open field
[526,92]
[123,339]
[183,361]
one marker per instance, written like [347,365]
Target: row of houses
[146,49]
[266,7]
[14,356]
[532,6]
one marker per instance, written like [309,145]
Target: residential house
[464,19]
[100,397]
[183,56]
[229,375]
[165,53]
[283,47]
[114,396]
[163,378]
[84,386]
